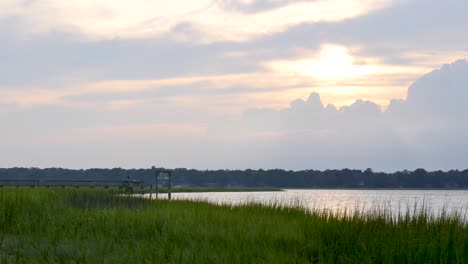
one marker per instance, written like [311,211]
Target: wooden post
[151,190]
[169,174]
[157,183]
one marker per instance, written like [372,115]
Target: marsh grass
[76,226]
[209,189]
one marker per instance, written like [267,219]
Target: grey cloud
[426,130]
[406,26]
[254,6]
[307,134]
[440,94]
[202,88]
[58,59]
[444,89]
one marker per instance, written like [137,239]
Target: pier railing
[161,176]
[70,183]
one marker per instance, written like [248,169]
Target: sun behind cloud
[334,62]
[341,75]
[331,63]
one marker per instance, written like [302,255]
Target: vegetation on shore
[276,178]
[213,189]
[78,225]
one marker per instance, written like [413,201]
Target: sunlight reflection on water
[338,201]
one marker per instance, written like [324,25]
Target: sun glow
[333,62]
[341,75]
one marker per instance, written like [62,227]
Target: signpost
[163,175]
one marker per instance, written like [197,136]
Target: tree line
[344,178]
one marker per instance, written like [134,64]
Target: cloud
[431,123]
[74,67]
[333,70]
[209,20]
[446,88]
[335,63]
[440,94]
[418,27]
[428,129]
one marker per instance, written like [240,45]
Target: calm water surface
[346,200]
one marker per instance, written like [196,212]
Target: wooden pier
[71,183]
[161,175]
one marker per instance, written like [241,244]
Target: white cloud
[207,19]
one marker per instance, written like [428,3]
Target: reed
[76,226]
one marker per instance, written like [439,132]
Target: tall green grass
[97,226]
[217,189]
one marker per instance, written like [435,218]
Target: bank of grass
[214,189]
[96,226]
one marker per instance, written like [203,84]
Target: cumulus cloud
[443,91]
[422,130]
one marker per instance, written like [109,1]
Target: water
[338,201]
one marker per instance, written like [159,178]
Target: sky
[234,84]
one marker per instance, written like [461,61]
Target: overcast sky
[234,84]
